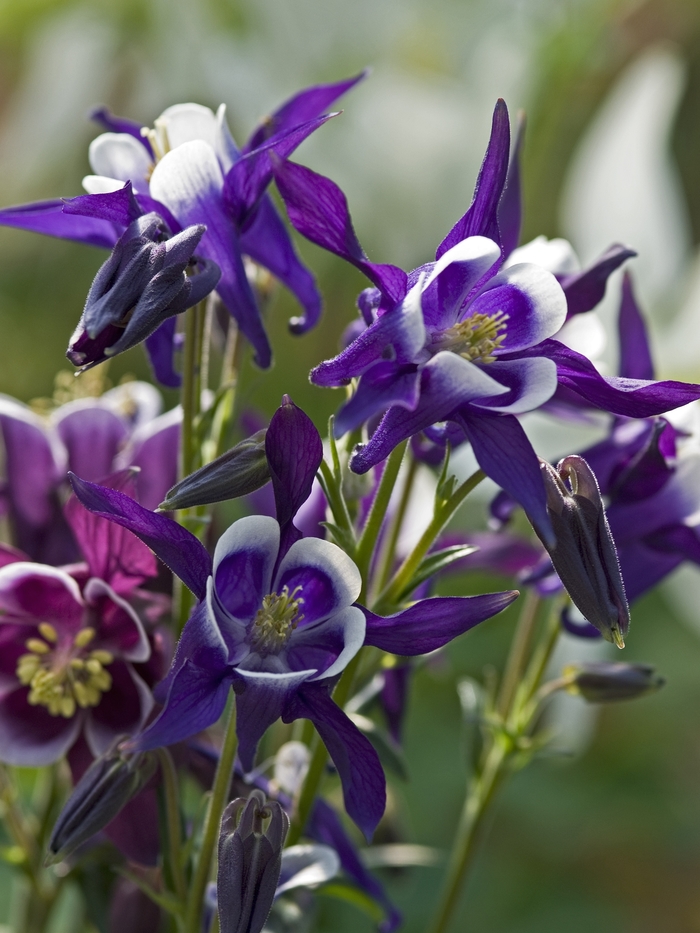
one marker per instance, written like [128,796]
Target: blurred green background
[607,838]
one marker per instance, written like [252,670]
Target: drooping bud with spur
[605,681]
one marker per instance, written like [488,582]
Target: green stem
[482,791]
[188,398]
[309,790]
[543,654]
[172,818]
[212,823]
[393,592]
[388,550]
[519,652]
[377,513]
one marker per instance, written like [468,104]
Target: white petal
[539,384]
[556,256]
[185,122]
[186,180]
[101,184]
[119,155]
[309,864]
[478,250]
[330,560]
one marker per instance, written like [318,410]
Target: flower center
[62,678]
[158,138]
[474,338]
[275,621]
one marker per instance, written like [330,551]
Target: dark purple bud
[238,472]
[604,681]
[110,782]
[584,554]
[144,282]
[250,861]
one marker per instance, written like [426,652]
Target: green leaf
[343,891]
[341,536]
[390,754]
[436,562]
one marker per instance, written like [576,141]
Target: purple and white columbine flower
[189,172]
[458,340]
[251,630]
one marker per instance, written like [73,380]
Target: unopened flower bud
[584,555]
[603,681]
[143,282]
[250,860]
[106,787]
[238,472]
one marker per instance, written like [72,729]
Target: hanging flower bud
[584,554]
[106,787]
[238,472]
[604,682]
[143,282]
[250,860]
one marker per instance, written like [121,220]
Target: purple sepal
[580,629]
[364,786]
[266,241]
[294,452]
[325,826]
[482,217]
[114,124]
[48,217]
[394,697]
[584,290]
[643,566]
[303,106]
[510,207]
[318,209]
[432,623]
[504,453]
[160,347]
[633,398]
[635,352]
[119,207]
[174,545]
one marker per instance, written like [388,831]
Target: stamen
[475,338]
[48,632]
[275,621]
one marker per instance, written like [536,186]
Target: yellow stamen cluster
[63,678]
[474,338]
[275,621]
[158,138]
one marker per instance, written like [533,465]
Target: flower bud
[603,681]
[238,472]
[108,785]
[143,282]
[250,860]
[584,554]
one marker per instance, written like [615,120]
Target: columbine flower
[142,284]
[189,172]
[92,437]
[458,340]
[276,620]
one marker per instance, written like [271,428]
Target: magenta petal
[93,435]
[37,593]
[319,211]
[173,544]
[29,735]
[432,623]
[122,710]
[120,629]
[48,217]
[364,786]
[482,217]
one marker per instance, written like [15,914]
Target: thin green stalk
[212,823]
[543,654]
[309,790]
[392,593]
[386,556]
[188,398]
[172,818]
[377,513]
[519,651]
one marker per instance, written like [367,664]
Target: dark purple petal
[584,290]
[581,629]
[329,579]
[247,179]
[633,398]
[266,240]
[364,786]
[115,124]
[302,106]
[447,381]
[498,552]
[160,347]
[174,545]
[504,453]
[635,352]
[37,593]
[394,698]
[644,566]
[294,452]
[122,710]
[482,217]
[201,643]
[319,211]
[453,278]
[119,207]
[677,539]
[92,434]
[432,623]
[531,383]
[381,386]
[48,217]
[510,206]
[244,560]
[325,826]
